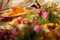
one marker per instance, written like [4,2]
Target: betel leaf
[30,16]
[52,17]
[41,21]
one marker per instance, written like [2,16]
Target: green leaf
[41,21]
[52,17]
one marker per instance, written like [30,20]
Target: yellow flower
[6,27]
[58,25]
[11,23]
[51,25]
[14,21]
[46,25]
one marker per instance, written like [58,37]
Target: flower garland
[34,25]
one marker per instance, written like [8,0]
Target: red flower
[21,20]
[43,14]
[40,14]
[6,35]
[15,32]
[1,17]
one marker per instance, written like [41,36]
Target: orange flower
[15,11]
[18,9]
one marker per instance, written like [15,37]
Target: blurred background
[5,4]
